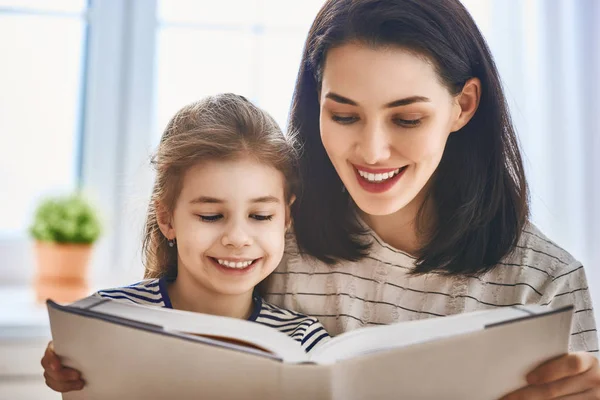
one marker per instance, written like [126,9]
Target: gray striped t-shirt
[378,290]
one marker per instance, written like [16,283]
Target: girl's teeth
[232,264]
[378,177]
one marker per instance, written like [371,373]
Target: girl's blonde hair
[220,127]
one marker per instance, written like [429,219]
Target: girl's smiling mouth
[235,265]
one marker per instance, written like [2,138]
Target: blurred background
[86,88]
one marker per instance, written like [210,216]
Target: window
[250,47]
[43,50]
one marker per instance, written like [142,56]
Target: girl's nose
[236,236]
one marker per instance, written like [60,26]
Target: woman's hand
[575,376]
[59,378]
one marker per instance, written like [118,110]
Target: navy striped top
[308,331]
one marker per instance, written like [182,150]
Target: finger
[587,395]
[54,369]
[62,386]
[50,359]
[65,374]
[572,385]
[53,366]
[562,367]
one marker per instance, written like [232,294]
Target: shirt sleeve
[569,286]
[314,336]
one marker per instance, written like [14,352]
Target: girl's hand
[59,378]
[575,376]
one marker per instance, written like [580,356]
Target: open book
[139,352]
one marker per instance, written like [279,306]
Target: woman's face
[385,119]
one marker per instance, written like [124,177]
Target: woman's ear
[467,102]
[164,220]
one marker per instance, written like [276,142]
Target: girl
[415,200]
[216,222]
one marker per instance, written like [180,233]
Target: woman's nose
[374,144]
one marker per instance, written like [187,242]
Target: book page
[482,365]
[373,339]
[227,330]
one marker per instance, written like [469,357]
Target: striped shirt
[378,290]
[307,331]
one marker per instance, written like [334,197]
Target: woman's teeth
[379,177]
[233,264]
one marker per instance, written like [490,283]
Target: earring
[171,242]
[343,188]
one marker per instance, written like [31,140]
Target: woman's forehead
[384,74]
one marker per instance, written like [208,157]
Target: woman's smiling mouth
[378,180]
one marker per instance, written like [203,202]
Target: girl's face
[229,222]
[385,119]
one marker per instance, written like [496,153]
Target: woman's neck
[400,229]
[187,294]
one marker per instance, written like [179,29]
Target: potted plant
[64,229]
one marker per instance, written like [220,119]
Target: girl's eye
[344,120]
[261,217]
[407,123]
[210,218]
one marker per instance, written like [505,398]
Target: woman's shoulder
[537,251]
[534,251]
[146,292]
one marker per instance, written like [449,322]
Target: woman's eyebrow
[396,103]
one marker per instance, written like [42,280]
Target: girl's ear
[288,213]
[164,220]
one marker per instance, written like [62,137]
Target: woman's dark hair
[479,193]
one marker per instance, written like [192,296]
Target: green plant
[66,219]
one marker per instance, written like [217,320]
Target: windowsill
[20,316]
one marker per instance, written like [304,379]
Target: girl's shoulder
[146,292]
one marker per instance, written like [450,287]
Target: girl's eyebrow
[265,199]
[214,200]
[207,200]
[396,103]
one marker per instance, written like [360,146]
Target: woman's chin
[379,205]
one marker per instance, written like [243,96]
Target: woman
[415,201]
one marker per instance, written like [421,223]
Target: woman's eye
[261,217]
[210,218]
[344,120]
[407,123]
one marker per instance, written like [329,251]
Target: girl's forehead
[242,179]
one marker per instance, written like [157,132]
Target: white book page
[214,327]
[373,339]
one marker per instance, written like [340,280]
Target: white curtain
[548,53]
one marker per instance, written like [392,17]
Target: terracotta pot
[62,271]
